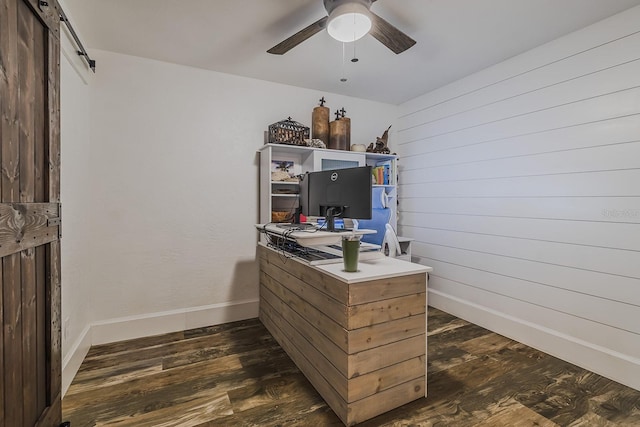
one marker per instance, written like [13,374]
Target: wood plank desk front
[360,338]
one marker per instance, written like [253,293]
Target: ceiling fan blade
[299,37]
[389,35]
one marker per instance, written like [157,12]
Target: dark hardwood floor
[237,375]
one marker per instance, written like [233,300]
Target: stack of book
[382,173]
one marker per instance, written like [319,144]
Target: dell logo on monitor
[334,176]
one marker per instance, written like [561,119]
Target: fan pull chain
[343,78]
[354,59]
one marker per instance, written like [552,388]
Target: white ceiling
[454,38]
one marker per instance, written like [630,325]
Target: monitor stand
[330,218]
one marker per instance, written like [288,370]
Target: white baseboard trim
[608,363]
[145,325]
[124,328]
[74,358]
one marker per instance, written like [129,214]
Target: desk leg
[426,337]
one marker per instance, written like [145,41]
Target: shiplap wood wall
[521,186]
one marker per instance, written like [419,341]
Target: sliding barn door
[30,384]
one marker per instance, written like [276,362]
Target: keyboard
[311,255]
[364,247]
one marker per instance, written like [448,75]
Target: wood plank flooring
[237,375]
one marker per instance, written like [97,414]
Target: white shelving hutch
[282,196]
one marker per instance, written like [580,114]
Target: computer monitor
[343,193]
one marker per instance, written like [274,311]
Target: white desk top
[381,267]
[372,269]
[311,237]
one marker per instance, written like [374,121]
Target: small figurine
[380,144]
[385,136]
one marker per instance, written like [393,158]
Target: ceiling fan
[347,21]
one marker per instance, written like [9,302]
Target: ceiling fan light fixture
[349,22]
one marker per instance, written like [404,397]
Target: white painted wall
[520,186]
[75,194]
[161,193]
[175,180]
